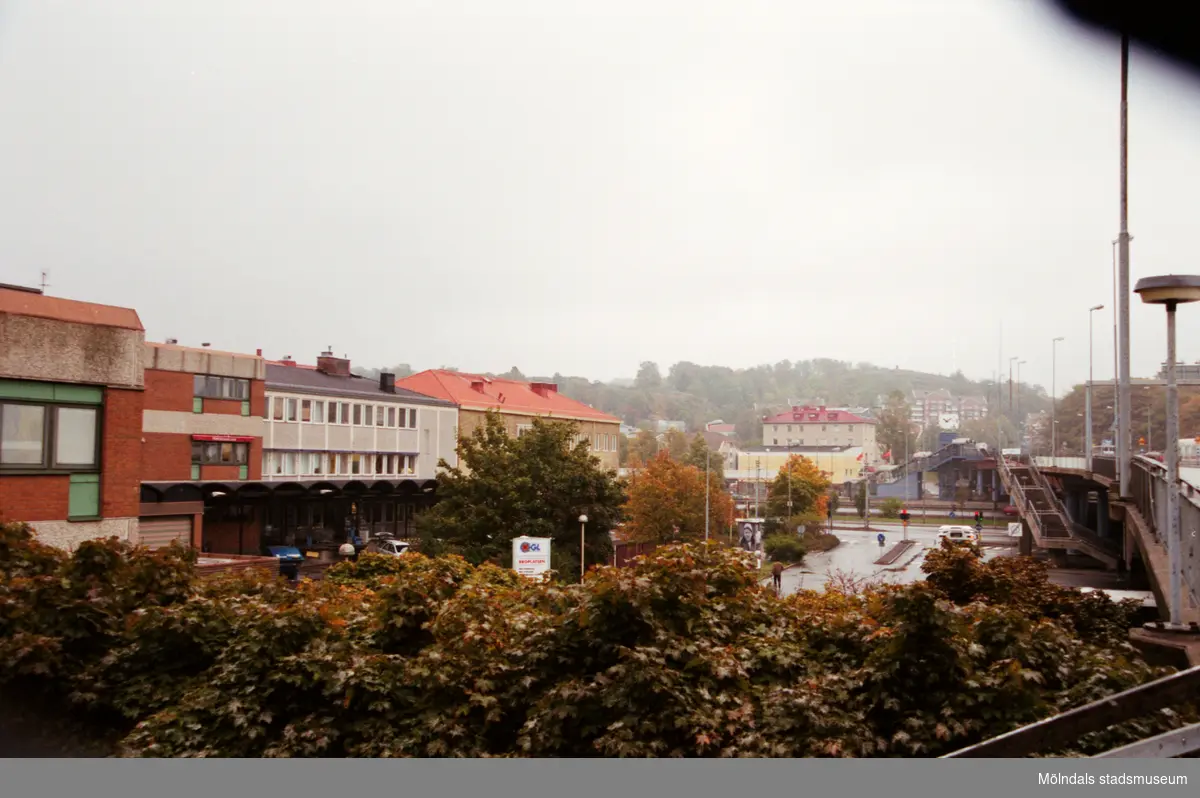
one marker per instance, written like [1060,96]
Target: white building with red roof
[517,403]
[805,426]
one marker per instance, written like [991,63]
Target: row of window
[316,411]
[821,442]
[600,442]
[207,386]
[849,427]
[49,437]
[279,463]
[210,453]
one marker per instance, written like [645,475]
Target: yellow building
[839,465]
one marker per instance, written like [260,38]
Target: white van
[957,534]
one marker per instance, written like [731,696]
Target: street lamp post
[1172,290]
[707,483]
[1054,397]
[582,527]
[1087,445]
[1011,360]
[1020,426]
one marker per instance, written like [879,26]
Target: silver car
[387,546]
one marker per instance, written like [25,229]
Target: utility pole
[1054,398]
[1124,426]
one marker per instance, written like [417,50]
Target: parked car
[957,534]
[1011,511]
[289,560]
[394,548]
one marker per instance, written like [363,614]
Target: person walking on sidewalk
[777,577]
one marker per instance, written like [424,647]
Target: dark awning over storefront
[155,492]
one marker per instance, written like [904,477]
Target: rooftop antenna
[45,284]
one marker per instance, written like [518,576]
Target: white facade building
[324,423]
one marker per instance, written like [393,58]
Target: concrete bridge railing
[1148,486]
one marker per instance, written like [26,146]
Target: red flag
[860,456]
[887,455]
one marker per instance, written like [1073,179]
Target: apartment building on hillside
[70,416]
[805,426]
[517,404]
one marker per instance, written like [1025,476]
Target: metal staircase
[1040,507]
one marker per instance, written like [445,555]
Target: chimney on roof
[172,341]
[387,382]
[258,353]
[333,366]
[543,389]
[206,344]
[287,360]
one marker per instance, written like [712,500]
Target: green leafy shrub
[784,548]
[890,508]
[683,654]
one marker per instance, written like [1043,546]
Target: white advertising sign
[531,556]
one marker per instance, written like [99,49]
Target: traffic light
[978,517]
[904,515]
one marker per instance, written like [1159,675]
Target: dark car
[289,560]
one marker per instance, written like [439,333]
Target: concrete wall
[58,351]
[168,357]
[69,534]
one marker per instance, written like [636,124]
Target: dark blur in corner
[1171,27]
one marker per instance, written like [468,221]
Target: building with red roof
[517,404]
[804,426]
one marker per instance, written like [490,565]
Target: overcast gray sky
[578,186]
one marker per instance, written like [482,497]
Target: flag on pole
[860,456]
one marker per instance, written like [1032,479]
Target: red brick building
[71,398]
[202,432]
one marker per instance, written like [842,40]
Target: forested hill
[697,394]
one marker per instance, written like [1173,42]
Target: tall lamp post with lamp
[1087,444]
[1054,398]
[1172,290]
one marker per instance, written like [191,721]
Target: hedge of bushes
[682,655]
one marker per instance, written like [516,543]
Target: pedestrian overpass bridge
[1067,510]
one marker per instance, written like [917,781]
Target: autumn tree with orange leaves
[666,495]
[805,485]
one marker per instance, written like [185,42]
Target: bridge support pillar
[1026,547]
[979,482]
[1103,522]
